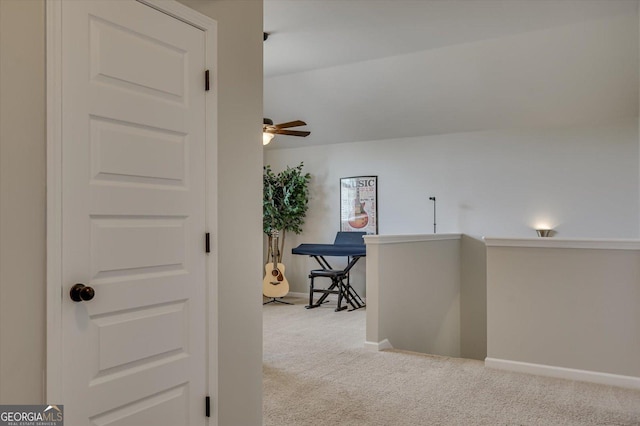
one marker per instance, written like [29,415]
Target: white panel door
[133,216]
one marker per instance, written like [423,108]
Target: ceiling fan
[269,130]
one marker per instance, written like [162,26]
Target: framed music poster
[359,204]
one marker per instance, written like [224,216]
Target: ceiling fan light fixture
[269,130]
[267,137]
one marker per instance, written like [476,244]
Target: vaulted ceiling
[359,70]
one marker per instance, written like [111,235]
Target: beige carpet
[316,372]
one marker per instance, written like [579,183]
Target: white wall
[239,242]
[536,128]
[22,202]
[500,183]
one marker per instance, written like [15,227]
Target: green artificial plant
[285,202]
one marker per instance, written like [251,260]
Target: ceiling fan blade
[295,123]
[291,132]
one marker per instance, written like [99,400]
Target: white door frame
[53,378]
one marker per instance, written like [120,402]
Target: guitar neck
[274,248]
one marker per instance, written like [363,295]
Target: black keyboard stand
[340,285]
[346,244]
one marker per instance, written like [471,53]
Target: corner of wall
[473,298]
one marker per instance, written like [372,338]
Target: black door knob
[80,292]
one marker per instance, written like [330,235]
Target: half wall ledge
[570,243]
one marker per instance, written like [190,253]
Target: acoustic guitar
[358,218]
[274,284]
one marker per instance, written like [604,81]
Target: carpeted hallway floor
[316,372]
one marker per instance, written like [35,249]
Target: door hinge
[207,410]
[206,81]
[207,243]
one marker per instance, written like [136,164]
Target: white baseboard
[564,373]
[378,346]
